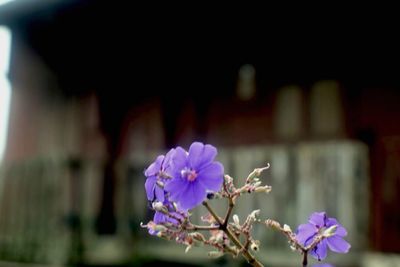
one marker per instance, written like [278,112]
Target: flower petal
[166,165]
[178,162]
[194,194]
[200,155]
[320,251]
[338,244]
[159,192]
[340,231]
[306,233]
[149,186]
[155,167]
[318,218]
[159,217]
[175,187]
[211,176]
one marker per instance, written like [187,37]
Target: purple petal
[159,193]
[305,233]
[155,167]
[338,244]
[159,217]
[320,251]
[200,155]
[149,186]
[166,165]
[318,218]
[178,161]
[194,194]
[175,187]
[211,176]
[340,231]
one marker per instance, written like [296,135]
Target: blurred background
[92,91]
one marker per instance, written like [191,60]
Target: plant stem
[305,254]
[231,204]
[246,254]
[195,227]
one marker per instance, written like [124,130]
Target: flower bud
[210,195]
[228,179]
[255,245]
[257,184]
[254,213]
[197,236]
[286,228]
[157,205]
[235,218]
[160,228]
[256,173]
[272,224]
[262,189]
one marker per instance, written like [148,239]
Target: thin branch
[231,204]
[246,254]
[195,227]
[212,212]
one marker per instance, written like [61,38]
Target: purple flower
[194,174]
[157,171]
[318,223]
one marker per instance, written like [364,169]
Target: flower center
[190,175]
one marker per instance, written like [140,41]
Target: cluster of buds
[225,234]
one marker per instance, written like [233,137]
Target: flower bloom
[318,222]
[156,172]
[194,174]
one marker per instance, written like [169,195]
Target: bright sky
[4,1]
[5,87]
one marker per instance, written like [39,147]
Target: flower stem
[246,254]
[305,254]
[231,204]
[196,227]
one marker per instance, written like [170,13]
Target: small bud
[257,184]
[286,228]
[157,205]
[228,179]
[255,245]
[254,213]
[197,236]
[215,254]
[330,231]
[211,195]
[262,189]
[235,218]
[160,228]
[293,248]
[272,224]
[256,173]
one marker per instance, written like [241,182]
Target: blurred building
[99,90]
